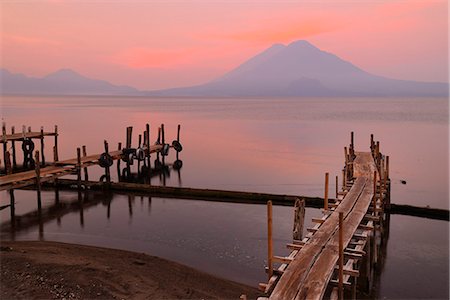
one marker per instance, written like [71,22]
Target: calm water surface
[264,145]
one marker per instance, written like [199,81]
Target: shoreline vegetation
[54,270]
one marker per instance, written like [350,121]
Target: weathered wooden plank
[296,272]
[30,135]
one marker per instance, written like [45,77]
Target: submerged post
[269,239]
[325,198]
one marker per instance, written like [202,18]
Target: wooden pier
[328,258]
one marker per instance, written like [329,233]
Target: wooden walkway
[311,267]
[58,169]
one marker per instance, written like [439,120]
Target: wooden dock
[331,253]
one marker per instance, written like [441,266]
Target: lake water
[262,145]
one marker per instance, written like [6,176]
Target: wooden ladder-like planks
[297,271]
[307,276]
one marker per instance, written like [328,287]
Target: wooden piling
[387,166]
[371,143]
[107,171]
[299,216]
[42,146]
[29,128]
[341,256]
[119,147]
[337,187]
[37,169]
[85,169]
[344,179]
[128,145]
[8,167]
[138,161]
[79,168]
[325,198]
[375,193]
[269,239]
[55,147]
[14,161]
[5,144]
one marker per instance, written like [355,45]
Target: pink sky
[160,44]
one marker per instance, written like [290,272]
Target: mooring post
[5,144]
[139,161]
[325,198]
[107,173]
[377,154]
[55,147]
[344,180]
[42,146]
[269,239]
[371,143]
[163,141]
[119,147]
[375,193]
[299,216]
[8,167]
[128,146]
[85,169]
[29,128]
[147,152]
[14,161]
[78,169]
[341,256]
[337,187]
[387,166]
[37,168]
[346,161]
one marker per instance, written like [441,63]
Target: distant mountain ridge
[294,70]
[62,82]
[301,69]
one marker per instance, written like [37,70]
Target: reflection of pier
[339,253]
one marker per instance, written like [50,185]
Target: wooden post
[138,161]
[55,147]
[107,173]
[29,128]
[269,239]
[5,144]
[129,136]
[178,132]
[337,187]
[8,167]
[147,134]
[128,145]
[38,179]
[299,216]
[119,147]
[377,154]
[42,146]
[375,193]
[371,143]
[325,198]
[86,175]
[344,180]
[352,145]
[387,166]
[163,140]
[79,169]
[341,256]
[14,161]
[346,161]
